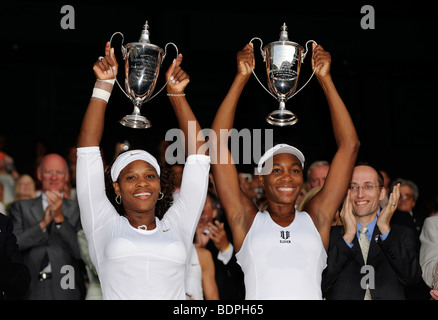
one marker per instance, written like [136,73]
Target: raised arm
[324,205]
[177,82]
[94,118]
[240,210]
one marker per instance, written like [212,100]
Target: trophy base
[282,118]
[135,121]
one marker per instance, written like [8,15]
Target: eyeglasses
[366,187]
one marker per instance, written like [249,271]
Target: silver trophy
[143,61]
[283,64]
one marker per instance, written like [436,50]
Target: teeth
[361,202]
[285,189]
[142,194]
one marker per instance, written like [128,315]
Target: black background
[386,76]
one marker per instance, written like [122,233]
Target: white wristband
[102,89]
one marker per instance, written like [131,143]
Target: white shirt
[282,263]
[194,278]
[133,263]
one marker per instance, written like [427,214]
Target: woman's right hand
[245,60]
[102,67]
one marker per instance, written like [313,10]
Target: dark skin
[282,187]
[139,187]
[138,183]
[284,183]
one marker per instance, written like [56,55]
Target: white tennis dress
[282,263]
[133,263]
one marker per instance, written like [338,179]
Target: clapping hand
[387,212]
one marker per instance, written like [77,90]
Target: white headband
[129,156]
[280,148]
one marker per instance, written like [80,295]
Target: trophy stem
[136,110]
[282,100]
[136,120]
[282,117]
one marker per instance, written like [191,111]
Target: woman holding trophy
[139,242]
[282,251]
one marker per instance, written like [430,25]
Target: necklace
[143,226]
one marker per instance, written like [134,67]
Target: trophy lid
[144,40]
[283,34]
[284,39]
[144,37]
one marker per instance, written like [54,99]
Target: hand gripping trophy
[283,64]
[143,61]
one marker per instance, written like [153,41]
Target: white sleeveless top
[282,263]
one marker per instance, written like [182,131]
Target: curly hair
[167,186]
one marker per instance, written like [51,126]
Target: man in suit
[429,254]
[368,258]
[46,228]
[14,275]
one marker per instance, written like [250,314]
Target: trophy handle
[303,55]
[264,60]
[123,49]
[162,59]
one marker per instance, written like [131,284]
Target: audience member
[94,290]
[8,175]
[14,274]
[46,228]
[177,170]
[215,236]
[387,185]
[366,240]
[253,190]
[25,188]
[405,214]
[429,254]
[317,173]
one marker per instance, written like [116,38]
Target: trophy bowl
[283,60]
[143,62]
[142,66]
[283,66]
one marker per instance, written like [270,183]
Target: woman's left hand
[177,78]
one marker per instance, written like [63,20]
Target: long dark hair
[161,207]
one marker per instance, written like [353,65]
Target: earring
[161,196]
[119,199]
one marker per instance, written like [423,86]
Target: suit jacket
[394,261]
[429,248]
[229,277]
[14,275]
[60,244]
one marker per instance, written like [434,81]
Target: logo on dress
[285,235]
